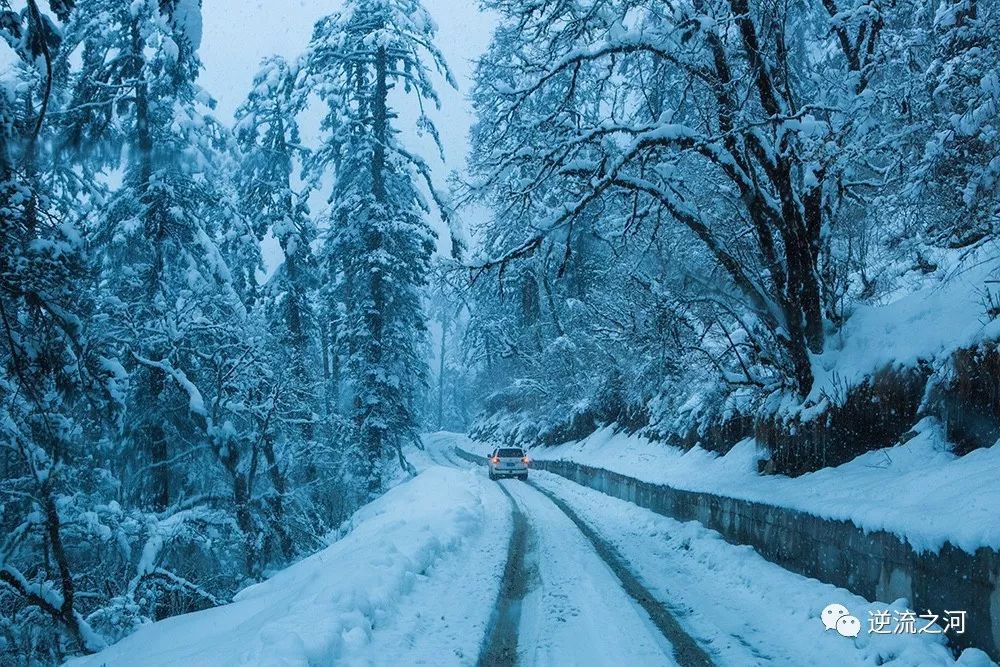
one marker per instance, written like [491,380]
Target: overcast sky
[239,33]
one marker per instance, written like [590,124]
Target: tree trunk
[324,347]
[277,501]
[244,519]
[373,435]
[441,367]
[299,344]
[157,438]
[158,447]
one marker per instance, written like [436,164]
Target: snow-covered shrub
[874,414]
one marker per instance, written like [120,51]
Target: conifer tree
[378,251]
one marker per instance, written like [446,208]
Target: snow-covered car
[508,462]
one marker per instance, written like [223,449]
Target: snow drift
[324,609]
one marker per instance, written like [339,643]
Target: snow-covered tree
[58,378]
[959,167]
[379,242]
[449,402]
[272,153]
[268,134]
[178,264]
[757,105]
[135,95]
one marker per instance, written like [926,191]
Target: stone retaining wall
[876,565]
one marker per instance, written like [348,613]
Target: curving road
[567,597]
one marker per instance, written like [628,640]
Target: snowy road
[572,607]
[708,601]
[566,598]
[451,569]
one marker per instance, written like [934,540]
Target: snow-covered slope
[918,490]
[412,574]
[944,314]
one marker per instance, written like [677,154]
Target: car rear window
[510,453]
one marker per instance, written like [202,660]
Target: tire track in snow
[500,647]
[500,642]
[458,458]
[686,650]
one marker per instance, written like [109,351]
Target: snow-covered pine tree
[169,238]
[58,379]
[447,403]
[379,243]
[268,135]
[138,73]
[271,152]
[136,107]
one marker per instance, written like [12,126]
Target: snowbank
[918,490]
[330,607]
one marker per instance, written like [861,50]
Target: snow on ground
[742,608]
[918,490]
[416,574]
[576,611]
[413,576]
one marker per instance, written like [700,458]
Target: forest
[698,214]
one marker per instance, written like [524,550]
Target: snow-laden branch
[196,403]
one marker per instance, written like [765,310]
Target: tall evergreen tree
[267,133]
[380,243]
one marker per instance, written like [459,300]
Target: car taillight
[526,460]
[496,459]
